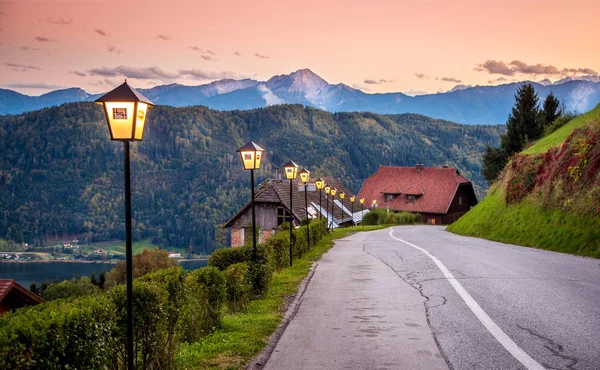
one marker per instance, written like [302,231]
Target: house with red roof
[441,195]
[13,296]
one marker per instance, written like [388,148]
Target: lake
[27,272]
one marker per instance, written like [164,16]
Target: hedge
[379,216]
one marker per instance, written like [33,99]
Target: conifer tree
[550,110]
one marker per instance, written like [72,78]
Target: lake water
[27,272]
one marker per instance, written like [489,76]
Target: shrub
[143,263]
[70,288]
[205,296]
[238,286]
[280,246]
[379,216]
[559,122]
[225,257]
[172,280]
[149,325]
[58,335]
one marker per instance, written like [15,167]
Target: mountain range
[463,104]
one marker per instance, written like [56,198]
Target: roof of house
[7,286]
[434,188]
[278,191]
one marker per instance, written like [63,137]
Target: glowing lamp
[126,111]
[362,200]
[342,195]
[304,175]
[352,198]
[333,191]
[327,189]
[291,170]
[251,154]
[320,183]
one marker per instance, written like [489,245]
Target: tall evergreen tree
[550,110]
[523,125]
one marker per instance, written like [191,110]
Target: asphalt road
[418,297]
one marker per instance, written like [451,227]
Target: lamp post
[320,184]
[362,208]
[333,192]
[327,190]
[125,110]
[352,198]
[342,195]
[291,171]
[374,203]
[305,177]
[251,155]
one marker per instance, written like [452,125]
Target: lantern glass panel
[248,159]
[142,109]
[120,119]
[304,176]
[291,172]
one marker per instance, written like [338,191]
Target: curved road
[418,297]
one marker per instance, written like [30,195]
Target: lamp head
[291,170]
[251,154]
[319,183]
[304,175]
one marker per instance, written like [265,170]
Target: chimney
[445,166]
[419,168]
[277,174]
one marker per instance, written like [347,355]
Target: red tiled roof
[6,285]
[437,186]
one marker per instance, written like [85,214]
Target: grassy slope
[527,223]
[244,334]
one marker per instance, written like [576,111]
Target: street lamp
[305,177]
[251,155]
[362,208]
[125,110]
[327,190]
[320,184]
[333,192]
[291,171]
[374,203]
[352,198]
[342,195]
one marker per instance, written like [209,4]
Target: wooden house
[272,201]
[441,195]
[13,296]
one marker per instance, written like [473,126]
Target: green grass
[245,334]
[558,136]
[528,224]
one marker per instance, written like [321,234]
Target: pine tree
[523,124]
[550,111]
[493,161]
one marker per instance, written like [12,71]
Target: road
[418,297]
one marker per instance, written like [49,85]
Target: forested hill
[61,176]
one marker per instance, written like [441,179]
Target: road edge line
[517,352]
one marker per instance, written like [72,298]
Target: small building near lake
[272,209]
[440,194]
[13,296]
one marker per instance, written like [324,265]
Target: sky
[413,47]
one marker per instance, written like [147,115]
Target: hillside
[463,104]
[60,175]
[548,195]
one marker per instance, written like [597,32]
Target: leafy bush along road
[180,319]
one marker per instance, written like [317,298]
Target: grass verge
[245,334]
[527,223]
[559,136]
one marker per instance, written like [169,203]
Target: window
[460,201]
[410,199]
[282,215]
[389,197]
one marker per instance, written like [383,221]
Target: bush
[225,257]
[149,325]
[172,280]
[379,216]
[203,309]
[559,122]
[280,246]
[143,263]
[238,286]
[70,288]
[59,335]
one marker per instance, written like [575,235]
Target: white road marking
[489,324]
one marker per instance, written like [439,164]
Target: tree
[523,125]
[550,110]
[70,288]
[143,263]
[493,161]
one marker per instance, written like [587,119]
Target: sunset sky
[406,46]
